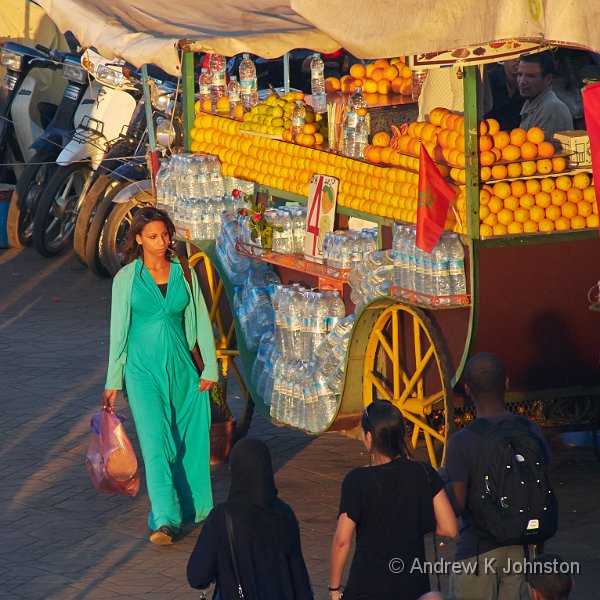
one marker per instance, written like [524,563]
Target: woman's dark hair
[142,217]
[386,424]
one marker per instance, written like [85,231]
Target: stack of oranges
[381,77]
[531,205]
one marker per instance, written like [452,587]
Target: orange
[578,222]
[518,137]
[369,86]
[559,197]
[544,166]
[484,197]
[529,150]
[386,154]
[553,212]
[485,143]
[546,225]
[347,84]
[384,87]
[563,182]
[485,230]
[381,138]
[562,224]
[543,199]
[499,172]
[546,150]
[500,229]
[502,189]
[358,71]
[512,203]
[497,153]
[515,228]
[514,169]
[332,85]
[501,139]
[528,168]
[369,69]
[511,153]
[506,216]
[533,186]
[460,143]
[493,126]
[483,128]
[377,74]
[435,116]
[530,226]
[373,154]
[486,158]
[381,63]
[518,188]
[527,201]
[537,213]
[491,219]
[535,135]
[584,208]
[582,181]
[590,194]
[592,221]
[459,124]
[484,212]
[568,209]
[559,164]
[390,73]
[406,73]
[548,184]
[495,204]
[574,195]
[485,173]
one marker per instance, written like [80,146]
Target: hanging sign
[320,215]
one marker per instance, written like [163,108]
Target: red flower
[236,193]
[243,212]
[257,217]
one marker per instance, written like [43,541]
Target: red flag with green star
[435,195]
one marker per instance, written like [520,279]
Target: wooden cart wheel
[224,339]
[405,363]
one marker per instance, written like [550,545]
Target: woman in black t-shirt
[391,504]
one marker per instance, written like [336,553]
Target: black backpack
[510,497]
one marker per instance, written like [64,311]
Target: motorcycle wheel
[26,197]
[57,211]
[91,200]
[94,245]
[115,233]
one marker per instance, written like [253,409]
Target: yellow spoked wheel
[405,363]
[216,301]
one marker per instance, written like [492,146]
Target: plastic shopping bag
[110,458]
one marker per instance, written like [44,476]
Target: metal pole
[188,97]
[471,151]
[148,107]
[286,72]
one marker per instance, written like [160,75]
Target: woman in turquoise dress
[156,319]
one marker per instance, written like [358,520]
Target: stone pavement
[60,539]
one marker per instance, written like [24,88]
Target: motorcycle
[99,126]
[113,217]
[47,146]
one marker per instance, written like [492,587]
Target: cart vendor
[542,106]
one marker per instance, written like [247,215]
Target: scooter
[113,216]
[47,147]
[100,125]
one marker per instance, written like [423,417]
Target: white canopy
[148,31]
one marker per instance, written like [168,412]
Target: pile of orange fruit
[385,192]
[377,78]
[538,204]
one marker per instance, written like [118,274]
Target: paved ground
[60,539]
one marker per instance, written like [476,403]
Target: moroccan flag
[435,195]
[591,111]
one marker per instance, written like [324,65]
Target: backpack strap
[483,426]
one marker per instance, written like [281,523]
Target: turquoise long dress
[172,417]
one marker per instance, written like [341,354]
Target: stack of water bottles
[355,126]
[252,303]
[372,277]
[285,372]
[344,249]
[440,275]
[235,265]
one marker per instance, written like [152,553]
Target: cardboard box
[576,143]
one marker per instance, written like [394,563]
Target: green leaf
[254,235]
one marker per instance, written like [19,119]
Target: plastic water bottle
[349,139]
[336,310]
[218,87]
[205,82]
[456,265]
[298,119]
[233,91]
[162,177]
[248,84]
[362,137]
[428,287]
[440,271]
[410,249]
[317,83]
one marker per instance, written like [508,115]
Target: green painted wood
[471,150]
[188,98]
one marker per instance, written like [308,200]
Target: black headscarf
[252,500]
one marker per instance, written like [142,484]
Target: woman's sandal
[163,536]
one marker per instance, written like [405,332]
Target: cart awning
[148,31]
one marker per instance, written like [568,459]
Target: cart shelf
[327,275]
[431,302]
[540,175]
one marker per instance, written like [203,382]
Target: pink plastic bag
[110,457]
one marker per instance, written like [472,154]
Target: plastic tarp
[148,31]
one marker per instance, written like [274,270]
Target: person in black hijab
[266,536]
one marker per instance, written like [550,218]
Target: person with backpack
[496,469]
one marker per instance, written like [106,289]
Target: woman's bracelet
[334,589]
